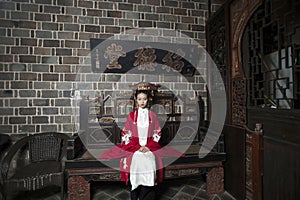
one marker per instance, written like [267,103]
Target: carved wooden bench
[81,169]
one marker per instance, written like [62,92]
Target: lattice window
[271,56]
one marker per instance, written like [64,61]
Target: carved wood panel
[78,188]
[254,163]
[240,12]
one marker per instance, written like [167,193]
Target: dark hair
[142,91]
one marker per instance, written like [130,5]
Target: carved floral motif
[78,188]
[239,102]
[214,181]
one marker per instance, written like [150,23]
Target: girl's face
[142,100]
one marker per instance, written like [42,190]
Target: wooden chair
[34,162]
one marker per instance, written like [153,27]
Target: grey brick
[27,111]
[94,12]
[27,93]
[19,15]
[17,120]
[171,18]
[115,14]
[68,128]
[67,94]
[27,24]
[6,23]
[19,50]
[50,111]
[70,77]
[6,76]
[198,28]
[2,31]
[6,58]
[7,40]
[49,128]
[166,10]
[62,119]
[50,77]
[145,24]
[29,41]
[40,68]
[135,1]
[181,26]
[86,4]
[70,60]
[49,26]
[63,52]
[190,20]
[6,111]
[64,18]
[43,34]
[112,77]
[41,102]
[71,27]
[74,11]
[72,44]
[49,94]
[151,16]
[64,35]
[171,3]
[65,2]
[51,43]
[40,119]
[42,51]
[43,1]
[6,129]
[30,7]
[132,15]
[126,22]
[28,59]
[29,76]
[90,28]
[106,21]
[144,8]
[105,86]
[42,17]
[27,128]
[50,59]
[20,33]
[7,5]
[18,102]
[63,102]
[41,85]
[6,93]
[154,2]
[19,85]
[163,24]
[52,9]
[106,5]
[84,86]
[62,69]
[190,5]
[125,6]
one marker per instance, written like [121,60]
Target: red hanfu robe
[130,144]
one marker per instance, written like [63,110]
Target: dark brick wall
[43,44]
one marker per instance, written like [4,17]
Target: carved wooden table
[80,172]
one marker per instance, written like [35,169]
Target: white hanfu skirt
[142,169]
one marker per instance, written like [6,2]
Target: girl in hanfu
[140,151]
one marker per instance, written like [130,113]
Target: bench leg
[215,181]
[78,188]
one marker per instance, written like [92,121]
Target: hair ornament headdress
[149,88]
